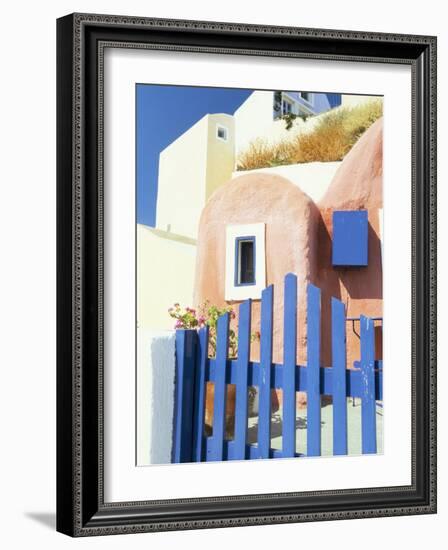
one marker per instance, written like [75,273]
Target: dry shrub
[261,154]
[326,143]
[257,155]
[360,118]
[330,140]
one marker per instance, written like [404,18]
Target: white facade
[155,396]
[352,100]
[313,178]
[253,119]
[165,275]
[190,169]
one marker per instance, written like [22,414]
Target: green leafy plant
[289,119]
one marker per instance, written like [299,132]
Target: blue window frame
[350,238]
[245,261]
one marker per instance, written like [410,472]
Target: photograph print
[259,306]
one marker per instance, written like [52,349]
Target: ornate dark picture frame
[81,510]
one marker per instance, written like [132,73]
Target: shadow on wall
[365,283]
[359,288]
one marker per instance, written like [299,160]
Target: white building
[191,168]
[165,274]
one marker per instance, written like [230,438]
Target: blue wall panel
[350,238]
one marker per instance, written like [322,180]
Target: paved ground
[354,429]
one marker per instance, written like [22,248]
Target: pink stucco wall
[291,220]
[357,185]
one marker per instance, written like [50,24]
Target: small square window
[244,261]
[221,133]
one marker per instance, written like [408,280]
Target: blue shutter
[350,238]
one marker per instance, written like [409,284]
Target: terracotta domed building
[254,230]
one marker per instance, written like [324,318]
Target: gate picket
[220,393]
[199,400]
[241,404]
[264,413]
[338,346]
[313,372]
[182,450]
[368,403]
[289,365]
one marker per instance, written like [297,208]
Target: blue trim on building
[249,238]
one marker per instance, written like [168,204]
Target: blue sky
[163,114]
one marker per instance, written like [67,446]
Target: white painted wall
[272,132]
[191,168]
[182,181]
[352,100]
[313,178]
[165,275]
[253,118]
[155,396]
[220,153]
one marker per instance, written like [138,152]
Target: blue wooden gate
[194,368]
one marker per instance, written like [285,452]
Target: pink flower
[179,324]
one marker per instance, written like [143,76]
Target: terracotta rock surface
[360,289]
[358,183]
